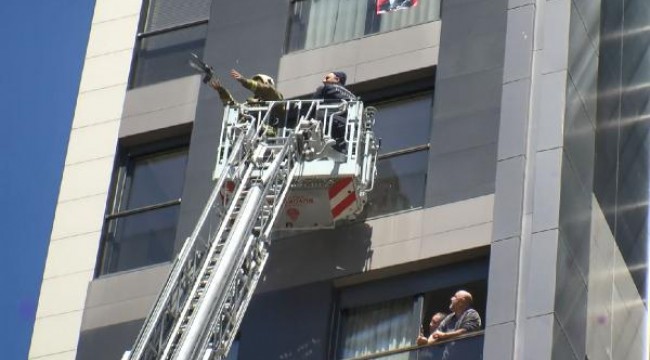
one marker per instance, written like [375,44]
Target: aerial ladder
[293,180]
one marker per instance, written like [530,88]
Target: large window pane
[141,239]
[163,14]
[156,179]
[164,56]
[399,185]
[140,229]
[318,23]
[410,119]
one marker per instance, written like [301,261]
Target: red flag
[384,6]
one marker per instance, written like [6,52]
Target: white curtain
[332,21]
[377,328]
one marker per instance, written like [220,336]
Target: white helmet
[264,79]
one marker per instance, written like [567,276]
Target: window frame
[470,274]
[379,99]
[125,161]
[286,49]
[143,35]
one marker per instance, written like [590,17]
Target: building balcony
[467,347]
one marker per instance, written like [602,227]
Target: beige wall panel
[68,355]
[373,48]
[162,96]
[63,294]
[106,10]
[394,254]
[397,228]
[319,60]
[458,215]
[99,106]
[55,334]
[117,313]
[363,59]
[396,64]
[79,217]
[306,85]
[112,36]
[106,70]
[127,285]
[72,255]
[85,179]
[92,142]
[455,241]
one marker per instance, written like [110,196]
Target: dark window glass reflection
[621,174]
[141,227]
[156,179]
[399,185]
[401,177]
[403,124]
[141,239]
[164,56]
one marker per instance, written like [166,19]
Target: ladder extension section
[200,308]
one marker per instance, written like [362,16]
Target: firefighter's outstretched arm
[224,94]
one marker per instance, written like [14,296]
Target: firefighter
[263,89]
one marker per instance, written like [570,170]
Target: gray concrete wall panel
[513,126]
[463,174]
[519,42]
[122,297]
[509,183]
[467,101]
[472,38]
[538,337]
[499,342]
[108,342]
[289,324]
[556,25]
[163,105]
[547,188]
[541,283]
[504,273]
[550,111]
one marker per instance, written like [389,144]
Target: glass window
[389,314]
[379,327]
[403,159]
[317,23]
[399,185]
[141,228]
[163,56]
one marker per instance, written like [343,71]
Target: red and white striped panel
[342,198]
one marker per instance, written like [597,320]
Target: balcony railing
[466,347]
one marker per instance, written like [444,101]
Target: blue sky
[43,45]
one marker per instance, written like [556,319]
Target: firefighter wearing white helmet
[262,86]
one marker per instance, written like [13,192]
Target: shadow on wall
[317,255]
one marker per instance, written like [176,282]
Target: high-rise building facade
[514,164]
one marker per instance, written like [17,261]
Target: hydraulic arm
[202,303]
